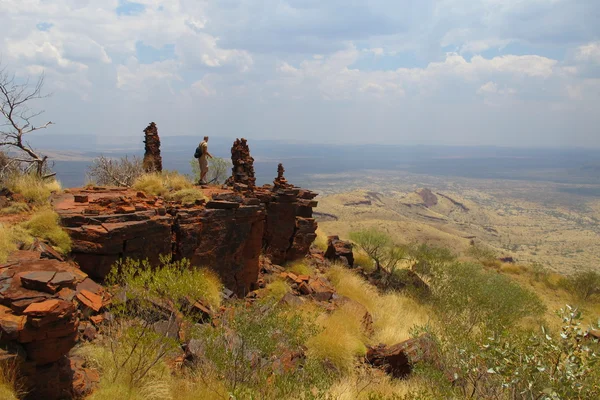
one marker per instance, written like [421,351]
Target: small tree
[18,120]
[373,242]
[122,172]
[217,170]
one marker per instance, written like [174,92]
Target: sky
[449,72]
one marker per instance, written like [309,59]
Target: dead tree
[18,120]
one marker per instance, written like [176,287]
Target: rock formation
[227,234]
[280,182]
[429,199]
[152,159]
[41,299]
[339,250]
[242,174]
[398,360]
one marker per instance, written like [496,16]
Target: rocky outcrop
[339,250]
[152,159]
[429,199]
[227,233]
[242,174]
[40,313]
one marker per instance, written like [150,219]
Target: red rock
[126,209]
[339,250]
[97,319]
[152,160]
[321,291]
[399,359]
[304,278]
[304,289]
[90,299]
[80,198]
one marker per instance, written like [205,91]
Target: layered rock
[429,199]
[242,173]
[152,159]
[226,234]
[39,316]
[339,250]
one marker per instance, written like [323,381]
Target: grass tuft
[342,338]
[395,316]
[186,196]
[321,240]
[277,289]
[158,184]
[35,190]
[15,208]
[45,225]
[300,268]
[348,283]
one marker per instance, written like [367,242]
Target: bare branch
[18,118]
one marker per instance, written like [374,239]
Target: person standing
[203,160]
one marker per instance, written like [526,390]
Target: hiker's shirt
[204,147]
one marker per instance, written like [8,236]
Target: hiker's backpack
[198,152]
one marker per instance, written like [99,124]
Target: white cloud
[333,63]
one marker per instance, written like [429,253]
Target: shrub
[428,257]
[471,296]
[176,281]
[374,243]
[131,361]
[44,224]
[218,170]
[187,196]
[121,172]
[526,364]
[34,189]
[585,285]
[242,350]
[482,254]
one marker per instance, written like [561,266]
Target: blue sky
[501,72]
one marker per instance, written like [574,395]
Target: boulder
[398,360]
[339,250]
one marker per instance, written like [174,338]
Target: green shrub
[243,349]
[526,364]
[585,285]
[44,224]
[176,281]
[130,357]
[428,257]
[473,297]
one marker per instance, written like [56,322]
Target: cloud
[462,71]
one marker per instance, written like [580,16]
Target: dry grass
[300,267]
[158,184]
[371,384]
[277,289]
[395,316]
[35,190]
[9,389]
[187,196]
[15,208]
[342,337]
[10,238]
[513,269]
[321,240]
[349,284]
[362,260]
[45,224]
[198,387]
